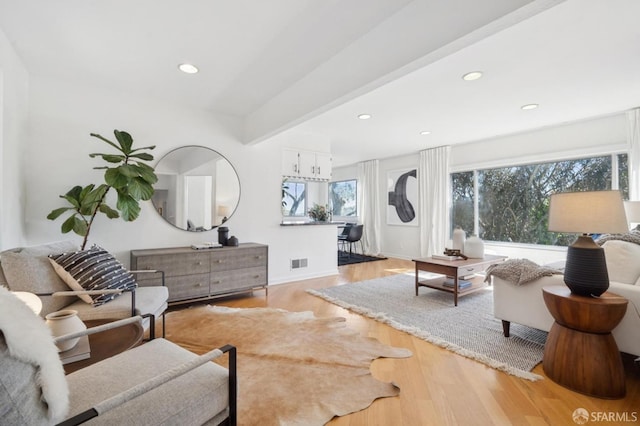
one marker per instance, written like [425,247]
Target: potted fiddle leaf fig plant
[127,173]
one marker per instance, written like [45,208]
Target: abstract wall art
[402,197]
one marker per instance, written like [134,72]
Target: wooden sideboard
[201,274]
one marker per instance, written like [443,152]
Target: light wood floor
[437,386]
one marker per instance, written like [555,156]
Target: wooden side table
[580,352]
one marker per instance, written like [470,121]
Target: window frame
[330,201]
[614,156]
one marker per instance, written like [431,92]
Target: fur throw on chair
[29,339]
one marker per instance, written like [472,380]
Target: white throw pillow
[623,261]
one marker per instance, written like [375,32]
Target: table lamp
[632,208]
[30,299]
[224,212]
[592,212]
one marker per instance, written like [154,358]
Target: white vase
[474,247]
[458,239]
[65,322]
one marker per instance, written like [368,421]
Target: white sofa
[524,304]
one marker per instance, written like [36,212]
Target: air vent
[298,263]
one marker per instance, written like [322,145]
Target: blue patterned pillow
[93,269]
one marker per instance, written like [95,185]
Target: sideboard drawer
[238,279]
[230,259]
[178,264]
[188,286]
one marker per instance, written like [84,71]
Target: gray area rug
[470,329]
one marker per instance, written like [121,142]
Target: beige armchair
[29,269]
[152,384]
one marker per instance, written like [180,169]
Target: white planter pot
[474,247]
[65,322]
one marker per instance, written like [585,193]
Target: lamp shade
[589,212]
[30,299]
[632,208]
[593,212]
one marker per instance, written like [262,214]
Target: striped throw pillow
[93,269]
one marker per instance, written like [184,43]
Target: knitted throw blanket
[632,236]
[519,271]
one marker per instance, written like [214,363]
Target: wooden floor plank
[439,387]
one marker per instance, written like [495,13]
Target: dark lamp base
[586,269]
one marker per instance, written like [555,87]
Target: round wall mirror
[197,190]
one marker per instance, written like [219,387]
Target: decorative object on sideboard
[459,237]
[223,235]
[65,322]
[589,212]
[233,241]
[128,174]
[474,247]
[196,184]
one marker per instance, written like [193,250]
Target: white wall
[580,139]
[62,116]
[13,136]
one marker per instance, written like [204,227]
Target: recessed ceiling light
[364,116]
[425,132]
[529,106]
[188,68]
[473,75]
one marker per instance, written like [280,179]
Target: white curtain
[433,178]
[369,205]
[633,138]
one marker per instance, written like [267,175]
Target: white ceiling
[311,66]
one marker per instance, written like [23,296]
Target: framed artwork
[402,197]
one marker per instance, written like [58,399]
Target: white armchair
[524,304]
[154,383]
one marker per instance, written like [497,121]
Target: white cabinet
[306,164]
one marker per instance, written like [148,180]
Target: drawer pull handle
[199,263]
[259,257]
[199,285]
[220,261]
[217,282]
[256,276]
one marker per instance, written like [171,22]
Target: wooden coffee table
[108,343]
[581,353]
[455,269]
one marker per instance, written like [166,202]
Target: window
[343,198]
[294,198]
[511,204]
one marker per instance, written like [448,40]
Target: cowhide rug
[293,368]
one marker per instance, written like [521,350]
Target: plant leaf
[139,189]
[111,213]
[146,173]
[114,178]
[110,158]
[57,212]
[95,135]
[67,225]
[129,207]
[128,170]
[143,156]
[80,226]
[125,140]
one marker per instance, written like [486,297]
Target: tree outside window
[343,198]
[513,202]
[294,198]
